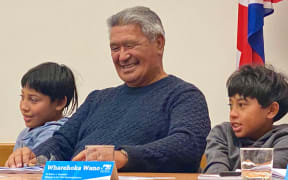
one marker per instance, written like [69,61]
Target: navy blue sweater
[162,126]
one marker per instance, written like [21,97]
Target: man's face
[137,60]
[248,118]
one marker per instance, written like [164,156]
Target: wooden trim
[5,150]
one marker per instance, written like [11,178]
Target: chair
[203,162]
[5,150]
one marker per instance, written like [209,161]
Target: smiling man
[138,60]
[157,122]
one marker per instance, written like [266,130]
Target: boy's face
[248,118]
[37,108]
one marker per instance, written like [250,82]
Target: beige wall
[200,46]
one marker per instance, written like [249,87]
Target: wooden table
[178,176]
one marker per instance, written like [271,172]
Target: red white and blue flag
[250,43]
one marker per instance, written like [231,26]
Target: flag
[250,43]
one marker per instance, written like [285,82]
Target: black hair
[260,82]
[55,81]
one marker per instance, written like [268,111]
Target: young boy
[258,96]
[48,94]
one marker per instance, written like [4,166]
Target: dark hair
[55,81]
[260,82]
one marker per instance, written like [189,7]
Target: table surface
[177,176]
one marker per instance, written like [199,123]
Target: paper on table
[24,170]
[276,174]
[140,178]
[216,176]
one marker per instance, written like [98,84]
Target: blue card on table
[78,170]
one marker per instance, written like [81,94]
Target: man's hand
[20,157]
[120,158]
[80,157]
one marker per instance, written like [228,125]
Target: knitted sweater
[162,126]
[223,147]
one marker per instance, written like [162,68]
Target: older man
[157,122]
